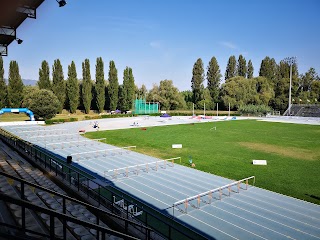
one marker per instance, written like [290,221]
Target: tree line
[270,88]
[240,87]
[71,93]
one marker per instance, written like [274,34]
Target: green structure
[143,107]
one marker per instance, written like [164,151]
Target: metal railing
[101,231]
[96,211]
[164,226]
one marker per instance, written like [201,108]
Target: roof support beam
[27,10]
[3,50]
[8,31]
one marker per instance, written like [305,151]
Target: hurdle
[53,137]
[23,127]
[172,159]
[135,169]
[105,152]
[38,132]
[77,143]
[59,135]
[98,139]
[198,199]
[45,130]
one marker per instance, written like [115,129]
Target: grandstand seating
[34,221]
[304,110]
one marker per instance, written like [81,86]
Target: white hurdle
[73,143]
[186,202]
[172,159]
[28,127]
[44,132]
[95,153]
[135,169]
[57,137]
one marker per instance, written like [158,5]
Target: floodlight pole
[290,61]
[290,86]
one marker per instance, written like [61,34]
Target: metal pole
[290,89]
[145,104]
[192,109]
[217,109]
[229,109]
[204,109]
[290,61]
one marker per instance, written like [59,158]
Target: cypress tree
[100,85]
[44,79]
[214,78]
[231,68]
[15,86]
[122,94]
[242,66]
[3,86]
[86,86]
[128,89]
[268,68]
[72,88]
[121,98]
[113,87]
[250,70]
[142,91]
[265,70]
[131,89]
[58,83]
[197,81]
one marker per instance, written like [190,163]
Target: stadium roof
[12,15]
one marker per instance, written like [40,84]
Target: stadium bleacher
[12,168]
[304,110]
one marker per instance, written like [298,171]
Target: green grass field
[291,150]
[11,117]
[80,115]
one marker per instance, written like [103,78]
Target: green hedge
[190,114]
[207,114]
[254,109]
[109,116]
[62,120]
[91,117]
[119,115]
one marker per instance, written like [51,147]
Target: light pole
[61,3]
[290,61]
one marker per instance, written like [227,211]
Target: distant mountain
[27,82]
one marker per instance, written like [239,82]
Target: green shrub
[254,109]
[92,117]
[118,115]
[61,120]
[207,114]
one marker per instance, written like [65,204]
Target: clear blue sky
[162,39]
